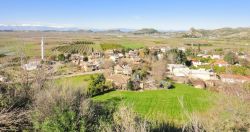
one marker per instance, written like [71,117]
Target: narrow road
[77,74]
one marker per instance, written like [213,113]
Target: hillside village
[135,66]
[156,79]
[125,66]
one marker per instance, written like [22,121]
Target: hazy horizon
[129,14]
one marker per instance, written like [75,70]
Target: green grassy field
[131,44]
[74,82]
[108,46]
[162,105]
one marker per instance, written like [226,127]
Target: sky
[131,14]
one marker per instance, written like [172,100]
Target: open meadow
[163,105]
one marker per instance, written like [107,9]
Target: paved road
[78,74]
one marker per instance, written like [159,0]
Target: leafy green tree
[63,120]
[96,85]
[199,47]
[68,56]
[231,58]
[130,85]
[61,57]
[190,52]
[85,58]
[176,56]
[2,55]
[146,51]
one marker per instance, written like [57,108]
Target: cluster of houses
[200,78]
[121,73]
[88,63]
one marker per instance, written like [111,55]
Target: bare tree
[14,120]
[126,120]
[159,69]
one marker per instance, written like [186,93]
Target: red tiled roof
[239,77]
[220,62]
[118,79]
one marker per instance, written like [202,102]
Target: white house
[164,49]
[221,63]
[31,65]
[215,57]
[114,58]
[160,56]
[125,69]
[196,63]
[182,49]
[178,70]
[202,74]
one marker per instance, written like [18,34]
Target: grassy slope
[163,105]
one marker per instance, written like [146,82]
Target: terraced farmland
[79,47]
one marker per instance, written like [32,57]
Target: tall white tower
[42,49]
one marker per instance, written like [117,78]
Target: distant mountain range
[51,28]
[34,28]
[197,33]
[222,32]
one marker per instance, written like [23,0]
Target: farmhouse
[230,78]
[215,57]
[119,81]
[89,66]
[33,65]
[221,63]
[96,55]
[108,52]
[125,69]
[196,63]
[164,49]
[178,70]
[199,84]
[114,57]
[182,49]
[133,53]
[160,56]
[76,57]
[202,74]
[118,69]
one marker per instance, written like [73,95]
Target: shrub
[130,85]
[61,57]
[60,109]
[231,58]
[85,58]
[96,85]
[176,56]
